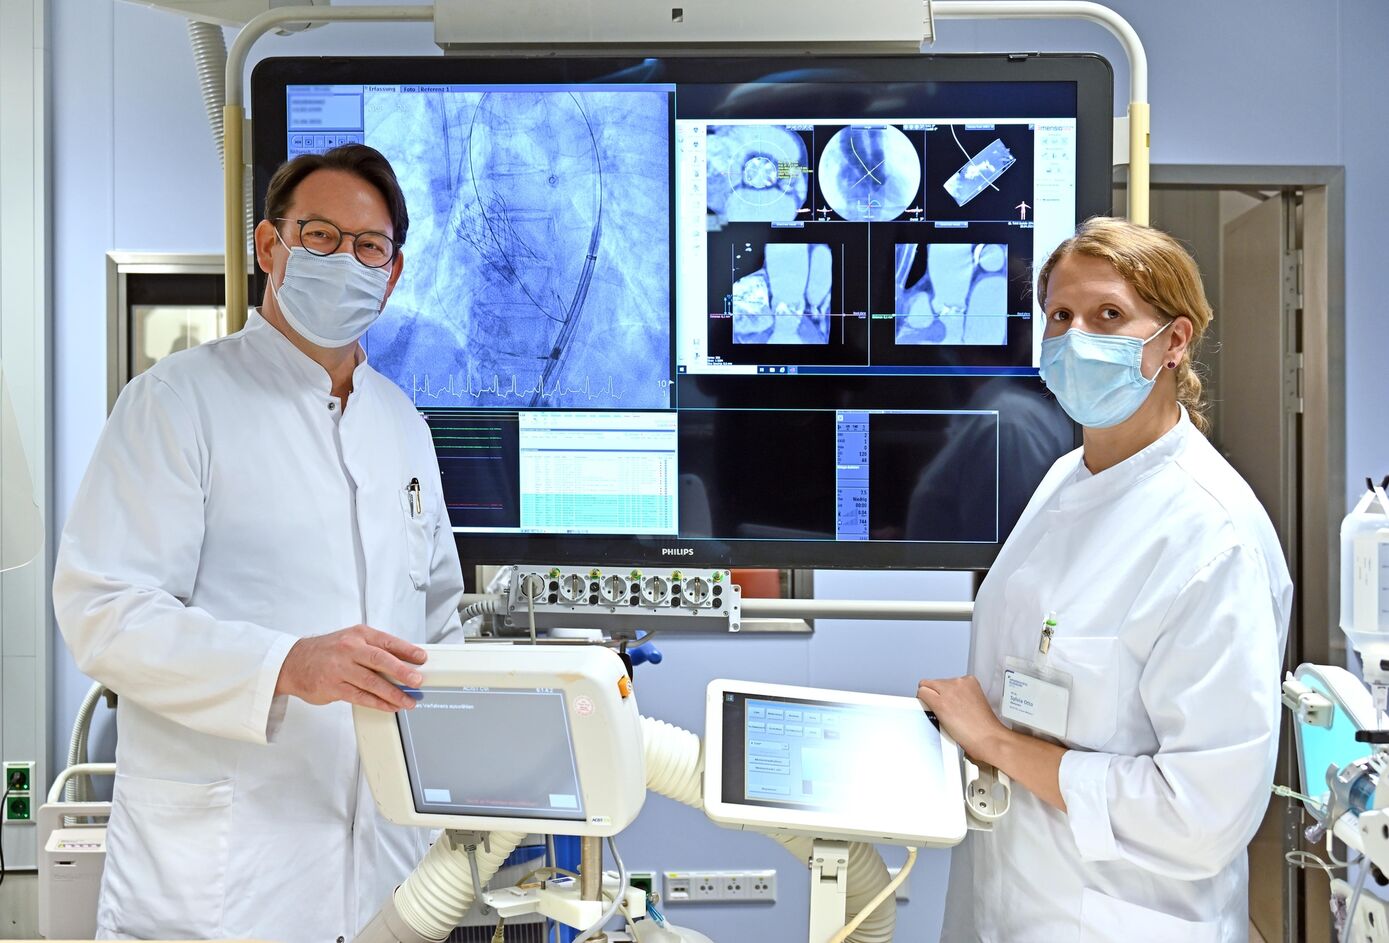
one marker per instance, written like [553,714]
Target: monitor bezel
[1094,80]
[940,821]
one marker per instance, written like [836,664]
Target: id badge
[1036,697]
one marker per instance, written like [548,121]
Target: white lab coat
[1173,600]
[230,508]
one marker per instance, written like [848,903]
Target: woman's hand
[963,711]
[960,706]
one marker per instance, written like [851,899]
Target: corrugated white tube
[76,790]
[867,876]
[675,769]
[674,762]
[435,897]
[210,59]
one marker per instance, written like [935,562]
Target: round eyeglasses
[320,237]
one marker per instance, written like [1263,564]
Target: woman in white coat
[1127,643]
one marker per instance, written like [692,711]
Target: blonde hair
[1162,272]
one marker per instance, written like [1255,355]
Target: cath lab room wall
[1232,81]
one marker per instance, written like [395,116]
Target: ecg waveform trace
[460,389]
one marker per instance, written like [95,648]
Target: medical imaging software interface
[753,312]
[813,755]
[491,778]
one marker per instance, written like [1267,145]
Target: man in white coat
[259,542]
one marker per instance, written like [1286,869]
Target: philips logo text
[677,551]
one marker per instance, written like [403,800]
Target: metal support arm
[234,120]
[1140,140]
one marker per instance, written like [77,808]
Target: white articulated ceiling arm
[1139,137]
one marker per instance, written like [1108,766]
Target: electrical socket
[644,881]
[17,809]
[704,885]
[761,886]
[19,777]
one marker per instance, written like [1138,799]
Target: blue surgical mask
[1097,378]
[330,300]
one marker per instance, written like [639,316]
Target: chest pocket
[1093,664]
[418,539]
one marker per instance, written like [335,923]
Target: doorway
[1270,244]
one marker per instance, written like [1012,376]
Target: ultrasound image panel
[787,301]
[538,267]
[756,173]
[870,173]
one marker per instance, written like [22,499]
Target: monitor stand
[829,881]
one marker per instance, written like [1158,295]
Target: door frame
[1315,635]
[1324,376]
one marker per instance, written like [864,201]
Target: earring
[1171,365]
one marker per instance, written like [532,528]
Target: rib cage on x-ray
[540,226]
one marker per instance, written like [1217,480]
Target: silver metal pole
[905,611]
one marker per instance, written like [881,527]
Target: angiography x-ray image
[870,173]
[538,266]
[787,301]
[961,297]
[979,171]
[756,173]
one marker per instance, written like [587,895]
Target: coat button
[332,405]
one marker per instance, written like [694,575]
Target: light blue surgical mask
[1097,378]
[331,300]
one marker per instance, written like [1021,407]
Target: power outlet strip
[719,887]
[18,790]
[621,600]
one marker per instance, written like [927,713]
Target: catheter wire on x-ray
[573,312]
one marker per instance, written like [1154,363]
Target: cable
[3,798]
[888,890]
[617,898]
[1305,859]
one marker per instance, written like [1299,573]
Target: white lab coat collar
[265,337]
[1084,488]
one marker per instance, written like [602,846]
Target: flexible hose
[434,899]
[674,762]
[77,788]
[888,891]
[867,878]
[485,606]
[675,769]
[210,60]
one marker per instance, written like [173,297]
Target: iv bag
[21,524]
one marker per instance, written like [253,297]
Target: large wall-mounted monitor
[751,311]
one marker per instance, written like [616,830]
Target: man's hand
[960,706]
[349,665]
